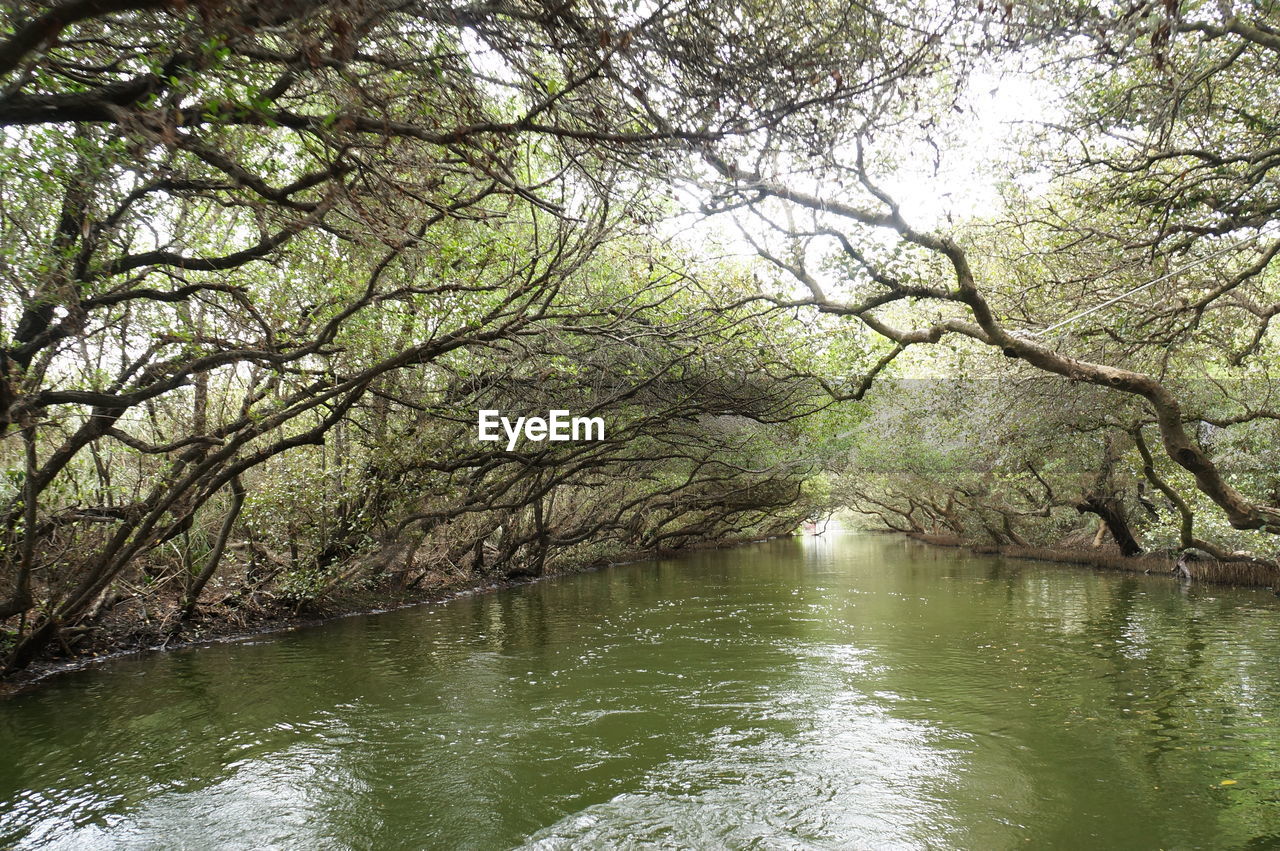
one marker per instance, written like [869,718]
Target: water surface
[841,692]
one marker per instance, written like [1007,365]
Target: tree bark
[215,555]
[1111,510]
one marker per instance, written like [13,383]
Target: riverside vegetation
[262,262]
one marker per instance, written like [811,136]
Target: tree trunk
[215,555]
[1111,510]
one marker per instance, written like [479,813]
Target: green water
[845,692]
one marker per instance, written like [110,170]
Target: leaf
[1228,782]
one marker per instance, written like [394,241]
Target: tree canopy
[262,261]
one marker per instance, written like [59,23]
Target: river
[847,691]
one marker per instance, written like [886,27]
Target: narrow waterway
[839,692]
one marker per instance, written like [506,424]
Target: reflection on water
[849,691]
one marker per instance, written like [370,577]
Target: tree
[1161,179]
[232,230]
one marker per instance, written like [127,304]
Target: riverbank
[1199,570]
[120,637]
[214,625]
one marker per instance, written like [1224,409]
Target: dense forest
[262,262]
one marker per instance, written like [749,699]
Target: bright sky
[1000,106]
[970,168]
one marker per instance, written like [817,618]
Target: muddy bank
[1156,563]
[120,637]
